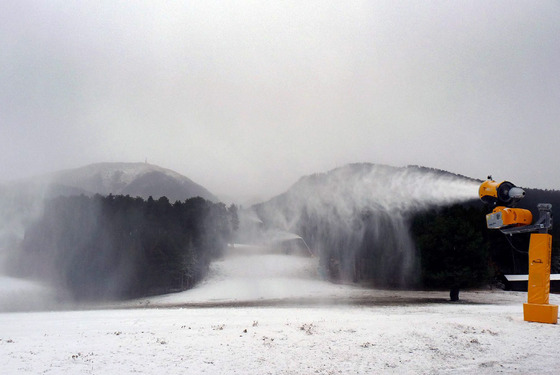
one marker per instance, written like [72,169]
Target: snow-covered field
[271,314]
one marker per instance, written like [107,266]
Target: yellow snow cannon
[503,196]
[500,193]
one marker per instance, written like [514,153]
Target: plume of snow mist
[20,204]
[357,216]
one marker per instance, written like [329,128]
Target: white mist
[364,209]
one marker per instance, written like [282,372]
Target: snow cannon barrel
[500,193]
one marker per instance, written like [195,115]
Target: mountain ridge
[117,178]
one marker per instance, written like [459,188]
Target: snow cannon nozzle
[516,193]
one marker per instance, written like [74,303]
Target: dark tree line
[121,247]
[453,244]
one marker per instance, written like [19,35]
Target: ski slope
[262,313]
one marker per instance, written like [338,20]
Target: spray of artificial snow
[366,205]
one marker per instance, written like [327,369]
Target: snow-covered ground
[271,314]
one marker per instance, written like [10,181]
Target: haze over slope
[354,188]
[134,179]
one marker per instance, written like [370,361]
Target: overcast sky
[245,97]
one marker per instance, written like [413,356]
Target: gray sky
[244,97]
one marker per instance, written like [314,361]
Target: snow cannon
[500,193]
[503,196]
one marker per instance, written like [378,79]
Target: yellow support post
[537,308]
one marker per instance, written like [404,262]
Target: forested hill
[21,201]
[120,247]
